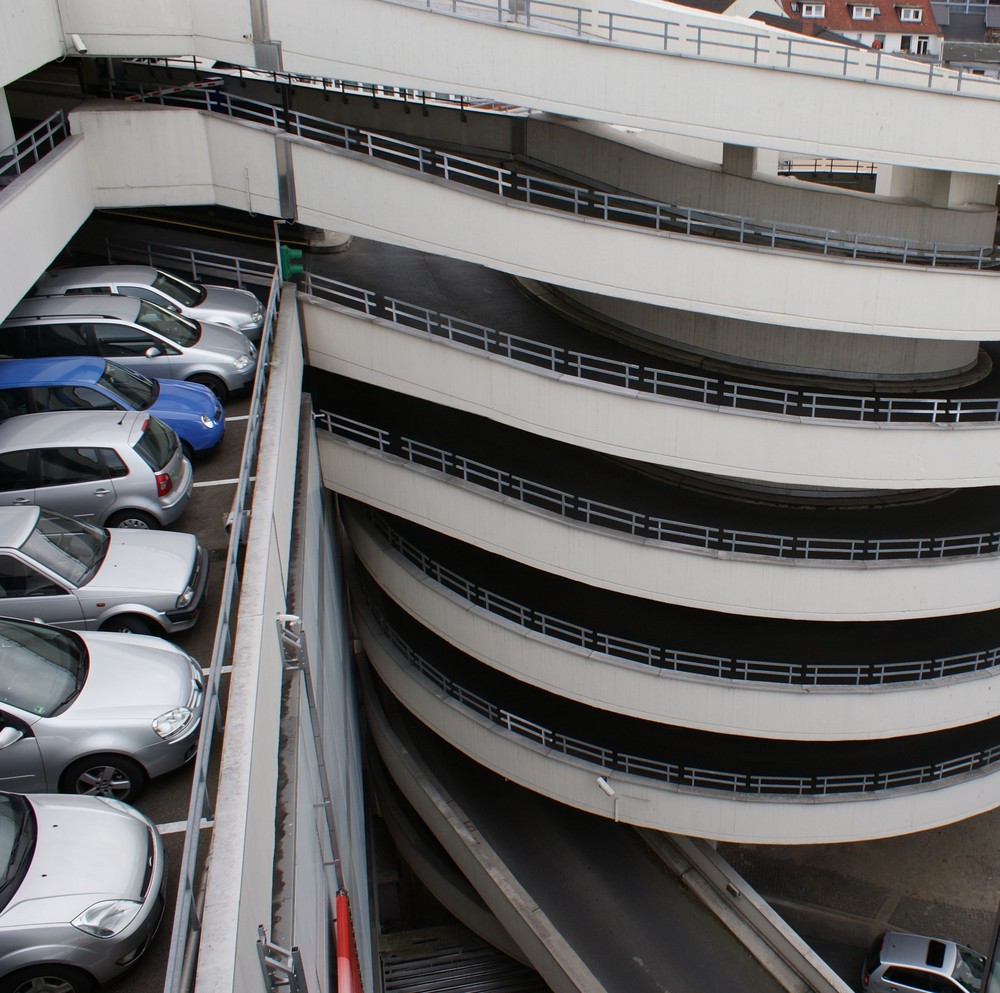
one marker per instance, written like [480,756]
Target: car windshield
[70,549]
[969,969]
[178,329]
[42,669]
[17,843]
[185,293]
[137,391]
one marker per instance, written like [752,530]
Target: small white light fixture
[605,786]
[78,44]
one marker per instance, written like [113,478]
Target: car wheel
[216,385]
[104,775]
[47,979]
[188,452]
[128,624]
[138,519]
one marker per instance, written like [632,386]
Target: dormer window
[814,10]
[911,14]
[860,13]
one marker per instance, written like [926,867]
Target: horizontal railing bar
[662,657]
[641,525]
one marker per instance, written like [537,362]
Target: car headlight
[207,421]
[243,362]
[105,920]
[185,598]
[172,722]
[256,319]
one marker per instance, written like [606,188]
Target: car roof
[91,305]
[914,950]
[16,523]
[57,371]
[90,428]
[99,275]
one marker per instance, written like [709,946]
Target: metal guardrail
[198,264]
[826,166]
[659,656]
[773,50]
[677,773]
[583,202]
[32,147]
[182,957]
[717,392]
[649,527]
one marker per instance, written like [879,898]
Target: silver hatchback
[105,467]
[81,891]
[143,336]
[233,308]
[93,713]
[911,963]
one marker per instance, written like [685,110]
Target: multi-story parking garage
[670,484]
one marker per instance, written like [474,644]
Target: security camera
[605,786]
[78,44]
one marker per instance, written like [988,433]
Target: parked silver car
[93,713]
[901,963]
[81,891]
[233,308]
[135,333]
[58,570]
[105,467]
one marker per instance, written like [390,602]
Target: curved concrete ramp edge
[745,913]
[544,947]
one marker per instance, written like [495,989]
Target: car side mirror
[152,352]
[9,735]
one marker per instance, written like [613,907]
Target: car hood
[226,304]
[225,341]
[141,562]
[86,852]
[131,677]
[191,399]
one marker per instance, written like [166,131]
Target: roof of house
[838,16]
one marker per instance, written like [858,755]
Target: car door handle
[101,491]
[21,501]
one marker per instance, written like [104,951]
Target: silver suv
[135,333]
[238,309]
[114,468]
[911,963]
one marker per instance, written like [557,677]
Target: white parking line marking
[223,670]
[176,827]
[217,482]
[238,417]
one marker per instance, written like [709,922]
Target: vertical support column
[936,188]
[7,136]
[745,161]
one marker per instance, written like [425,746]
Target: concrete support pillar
[7,135]
[936,188]
[741,160]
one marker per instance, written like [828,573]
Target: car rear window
[157,445]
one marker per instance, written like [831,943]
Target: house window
[923,44]
[904,42]
[879,41]
[863,13]
[814,10]
[911,14]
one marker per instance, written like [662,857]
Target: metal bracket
[282,969]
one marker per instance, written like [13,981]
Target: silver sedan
[93,713]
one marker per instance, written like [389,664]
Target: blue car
[29,386]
